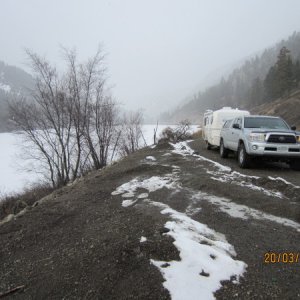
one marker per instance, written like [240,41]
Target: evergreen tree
[296,73]
[284,78]
[256,92]
[271,86]
[280,79]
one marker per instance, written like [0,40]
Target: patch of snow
[191,210]
[206,258]
[143,196]
[244,212]
[284,181]
[235,173]
[152,158]
[143,239]
[230,179]
[128,195]
[236,178]
[152,184]
[167,154]
[183,149]
[127,203]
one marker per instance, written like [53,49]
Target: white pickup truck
[260,137]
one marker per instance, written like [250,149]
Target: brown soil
[80,243]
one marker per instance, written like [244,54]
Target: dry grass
[197,134]
[15,203]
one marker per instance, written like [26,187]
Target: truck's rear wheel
[244,158]
[208,145]
[223,151]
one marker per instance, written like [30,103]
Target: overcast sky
[159,51]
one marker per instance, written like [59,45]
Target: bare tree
[131,133]
[101,131]
[45,121]
[71,120]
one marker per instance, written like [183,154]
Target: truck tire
[244,158]
[223,151]
[208,145]
[295,164]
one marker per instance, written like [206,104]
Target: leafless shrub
[180,133]
[101,132]
[132,135]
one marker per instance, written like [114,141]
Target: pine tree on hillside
[280,79]
[296,73]
[271,85]
[256,92]
[284,71]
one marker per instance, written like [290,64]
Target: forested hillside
[272,74]
[13,81]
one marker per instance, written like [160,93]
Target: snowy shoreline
[13,175]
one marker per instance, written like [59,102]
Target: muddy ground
[81,243]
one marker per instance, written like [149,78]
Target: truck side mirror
[293,127]
[236,126]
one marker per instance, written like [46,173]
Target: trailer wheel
[223,151]
[208,145]
[244,158]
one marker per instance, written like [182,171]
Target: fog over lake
[158,52]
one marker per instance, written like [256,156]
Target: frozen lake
[13,175]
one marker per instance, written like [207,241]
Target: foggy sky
[159,51]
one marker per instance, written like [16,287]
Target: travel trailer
[213,121]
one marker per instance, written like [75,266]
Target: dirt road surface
[175,221]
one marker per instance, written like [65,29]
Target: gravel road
[85,240]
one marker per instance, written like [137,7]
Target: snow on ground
[224,173]
[242,211]
[152,184]
[143,239]
[237,179]
[183,149]
[284,181]
[127,203]
[206,256]
[152,158]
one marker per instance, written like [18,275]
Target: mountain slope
[288,108]
[13,82]
[242,88]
